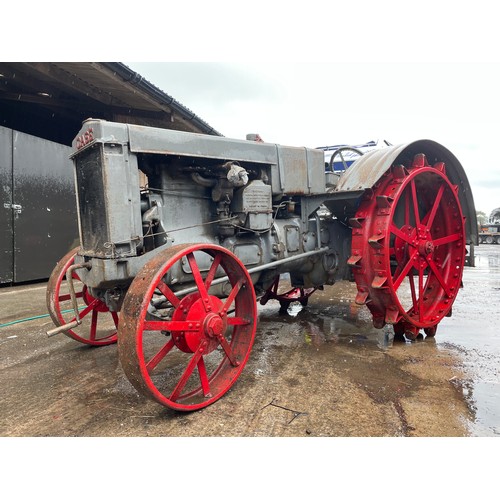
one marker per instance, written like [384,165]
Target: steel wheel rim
[204,351]
[92,308]
[394,246]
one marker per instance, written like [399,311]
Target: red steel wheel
[99,324]
[408,248]
[185,349]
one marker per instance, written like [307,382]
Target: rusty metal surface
[369,168]
[162,141]
[293,173]
[108,200]
[300,170]
[294,170]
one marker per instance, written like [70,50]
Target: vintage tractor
[180,233]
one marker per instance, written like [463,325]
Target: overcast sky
[319,104]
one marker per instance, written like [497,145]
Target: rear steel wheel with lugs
[408,247]
[182,345]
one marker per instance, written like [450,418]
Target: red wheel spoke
[415,203]
[199,281]
[438,275]
[187,373]
[93,326]
[232,295]
[237,321]
[227,350]
[171,326]
[404,272]
[437,201]
[115,318]
[447,239]
[202,370]
[400,234]
[89,308]
[169,295]
[153,362]
[213,270]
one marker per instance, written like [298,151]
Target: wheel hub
[425,248]
[204,323]
[213,326]
[420,241]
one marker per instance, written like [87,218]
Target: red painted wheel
[186,347]
[408,248]
[98,326]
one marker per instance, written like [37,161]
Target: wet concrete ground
[318,371]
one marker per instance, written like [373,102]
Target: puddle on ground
[331,320]
[333,327]
[327,319]
[473,331]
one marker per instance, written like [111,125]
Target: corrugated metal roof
[158,97]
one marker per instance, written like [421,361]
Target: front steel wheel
[182,345]
[99,324]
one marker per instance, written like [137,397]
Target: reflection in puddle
[294,308]
[339,322]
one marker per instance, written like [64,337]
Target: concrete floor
[320,371]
